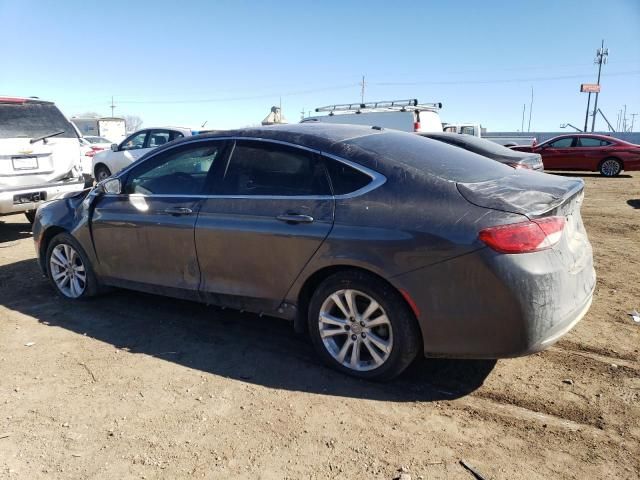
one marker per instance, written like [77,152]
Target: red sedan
[596,153]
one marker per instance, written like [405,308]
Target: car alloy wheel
[102,173]
[68,271]
[355,330]
[610,168]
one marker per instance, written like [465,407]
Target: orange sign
[590,87]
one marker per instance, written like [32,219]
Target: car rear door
[270,210]
[590,151]
[144,236]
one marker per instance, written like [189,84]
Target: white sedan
[107,162]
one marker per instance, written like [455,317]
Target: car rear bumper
[22,199]
[490,305]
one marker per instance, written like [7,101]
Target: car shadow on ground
[241,346]
[585,174]
[11,232]
[635,202]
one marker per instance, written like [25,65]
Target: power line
[510,80]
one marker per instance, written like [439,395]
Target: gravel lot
[135,386]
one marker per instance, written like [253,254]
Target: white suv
[108,162]
[39,155]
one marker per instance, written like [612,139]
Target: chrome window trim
[377,179]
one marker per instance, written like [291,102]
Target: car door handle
[178,211]
[295,218]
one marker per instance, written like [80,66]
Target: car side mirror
[112,186]
[114,147]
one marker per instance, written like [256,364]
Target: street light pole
[601,57]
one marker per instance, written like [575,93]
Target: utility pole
[601,57]
[113,106]
[624,119]
[586,115]
[530,110]
[524,107]
[302,114]
[362,91]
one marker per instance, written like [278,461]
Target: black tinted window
[29,120]
[562,143]
[592,142]
[262,168]
[345,179]
[181,171]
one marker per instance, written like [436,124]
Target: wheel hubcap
[67,271]
[610,168]
[355,330]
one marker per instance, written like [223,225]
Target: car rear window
[433,157]
[29,120]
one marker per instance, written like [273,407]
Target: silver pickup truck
[39,155]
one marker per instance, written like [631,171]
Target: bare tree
[132,122]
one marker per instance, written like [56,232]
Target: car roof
[599,136]
[322,136]
[11,99]
[478,145]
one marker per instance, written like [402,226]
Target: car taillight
[416,126]
[524,237]
[90,153]
[520,165]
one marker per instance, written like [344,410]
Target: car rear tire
[361,326]
[69,269]
[610,167]
[31,216]
[102,173]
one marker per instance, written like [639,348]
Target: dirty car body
[482,260]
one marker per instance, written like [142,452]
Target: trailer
[111,128]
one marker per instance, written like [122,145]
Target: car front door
[143,236]
[270,211]
[130,150]
[558,155]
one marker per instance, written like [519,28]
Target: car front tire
[102,173]
[361,326]
[69,269]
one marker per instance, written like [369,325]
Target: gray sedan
[382,245]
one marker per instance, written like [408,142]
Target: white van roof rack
[400,105]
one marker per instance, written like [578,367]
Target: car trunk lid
[532,194]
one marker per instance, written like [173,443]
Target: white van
[39,155]
[405,115]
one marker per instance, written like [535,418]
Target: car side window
[134,142]
[175,135]
[264,168]
[592,142]
[158,138]
[344,178]
[180,171]
[562,143]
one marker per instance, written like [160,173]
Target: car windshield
[32,120]
[433,157]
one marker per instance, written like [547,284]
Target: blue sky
[228,62]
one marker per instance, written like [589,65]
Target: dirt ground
[135,386]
